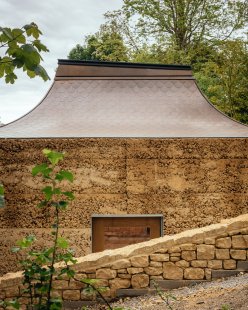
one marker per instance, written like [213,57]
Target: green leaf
[43,169]
[7,32]
[13,303]
[15,249]
[40,71]
[1,190]
[62,204]
[40,46]
[18,36]
[31,74]
[90,281]
[26,242]
[42,204]
[48,191]
[53,156]
[10,78]
[56,304]
[28,48]
[62,243]
[64,175]
[70,195]
[69,272]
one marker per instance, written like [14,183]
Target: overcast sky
[64,24]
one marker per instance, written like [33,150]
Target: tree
[21,48]
[206,34]
[107,45]
[225,79]
[183,22]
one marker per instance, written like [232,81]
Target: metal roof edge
[122,64]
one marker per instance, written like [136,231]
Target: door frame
[161,216]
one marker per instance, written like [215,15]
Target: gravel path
[225,294]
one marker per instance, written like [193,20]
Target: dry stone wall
[201,254]
[192,182]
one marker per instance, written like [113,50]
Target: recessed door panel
[115,232]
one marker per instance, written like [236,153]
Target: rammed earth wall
[199,254]
[192,182]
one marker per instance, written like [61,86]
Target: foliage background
[209,35]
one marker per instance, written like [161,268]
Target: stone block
[240,242]
[174,259]
[156,278]
[222,253]
[161,251]
[80,276]
[188,247]
[71,294]
[74,284]
[223,243]
[91,275]
[124,276]
[174,249]
[140,281]
[155,264]
[85,297]
[26,301]
[233,232]
[2,294]
[176,254]
[244,231]
[60,284]
[182,263]
[238,254]
[199,263]
[12,292]
[188,255]
[140,261]
[102,282]
[106,273]
[210,240]
[205,251]
[229,264]
[160,257]
[118,283]
[153,271]
[215,264]
[171,271]
[122,270]
[134,270]
[208,274]
[242,266]
[56,293]
[194,273]
[120,264]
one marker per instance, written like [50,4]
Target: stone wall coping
[107,257]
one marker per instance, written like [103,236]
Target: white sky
[64,24]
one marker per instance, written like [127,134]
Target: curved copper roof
[104,99]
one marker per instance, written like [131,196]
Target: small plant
[38,266]
[166,297]
[93,289]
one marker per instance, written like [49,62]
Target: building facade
[141,141]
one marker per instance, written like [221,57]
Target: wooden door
[116,232]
